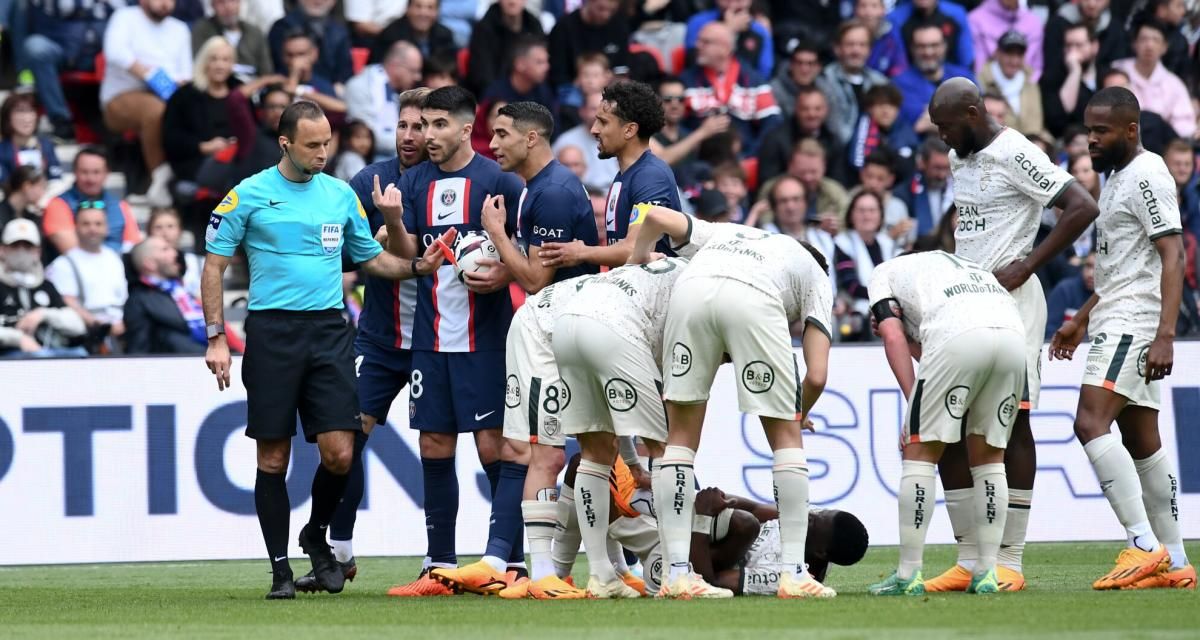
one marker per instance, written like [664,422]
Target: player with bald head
[1002,183]
[1139,284]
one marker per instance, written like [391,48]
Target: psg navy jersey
[649,180]
[449,316]
[555,207]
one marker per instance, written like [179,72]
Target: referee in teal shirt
[293,221]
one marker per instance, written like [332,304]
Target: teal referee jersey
[293,233]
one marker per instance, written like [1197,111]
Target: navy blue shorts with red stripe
[459,392]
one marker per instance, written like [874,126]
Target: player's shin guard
[566,533]
[1160,485]
[960,507]
[341,528]
[675,501]
[1119,482]
[1012,545]
[327,489]
[915,503]
[541,518]
[790,474]
[271,503]
[441,509]
[991,511]
[591,508]
[505,531]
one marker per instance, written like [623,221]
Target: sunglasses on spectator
[673,98]
[91,204]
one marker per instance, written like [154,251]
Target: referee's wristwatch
[214,329]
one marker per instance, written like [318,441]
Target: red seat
[678,58]
[750,167]
[464,62]
[85,77]
[635,47]
[358,58]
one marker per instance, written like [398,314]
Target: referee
[292,221]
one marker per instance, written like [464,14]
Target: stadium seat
[358,58]
[653,52]
[464,62]
[82,90]
[678,59]
[750,167]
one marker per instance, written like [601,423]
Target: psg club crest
[448,197]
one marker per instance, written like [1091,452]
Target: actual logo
[758,377]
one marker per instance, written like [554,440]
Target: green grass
[224,600]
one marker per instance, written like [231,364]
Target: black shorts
[299,361]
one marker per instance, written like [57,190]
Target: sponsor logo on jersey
[228,203]
[758,377]
[956,401]
[681,359]
[1007,412]
[362,213]
[1035,172]
[448,197]
[919,493]
[214,223]
[447,201]
[512,392]
[621,395]
[546,232]
[331,238]
[1151,202]
[1141,361]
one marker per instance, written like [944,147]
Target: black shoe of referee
[282,587]
[307,583]
[328,573]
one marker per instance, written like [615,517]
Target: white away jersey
[942,295]
[1137,206]
[546,305]
[631,299]
[773,263]
[1000,193]
[764,562]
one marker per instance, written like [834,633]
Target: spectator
[711,205]
[930,193]
[91,277]
[600,172]
[253,58]
[161,316]
[1009,76]
[951,21]
[927,51]
[592,74]
[63,36]
[809,122]
[880,126]
[718,84]
[356,149]
[996,106]
[526,79]
[1094,14]
[1156,88]
[492,37]
[166,223]
[149,54]
[1170,14]
[1069,295]
[1066,92]
[942,237]
[1080,167]
[23,190]
[801,71]
[419,25]
[1156,132]
[481,134]
[1181,161]
[20,144]
[368,18]
[826,198]
[373,96]
[328,34]
[846,79]
[572,158]
[993,20]
[887,46]
[300,55]
[857,251]
[34,321]
[729,180]
[263,13]
[675,143]
[59,224]
[595,26]
[439,70]
[878,175]
[260,150]
[752,38]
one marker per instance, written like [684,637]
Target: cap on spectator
[1013,39]
[22,230]
[710,203]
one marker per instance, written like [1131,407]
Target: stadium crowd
[802,117]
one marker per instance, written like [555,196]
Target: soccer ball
[470,249]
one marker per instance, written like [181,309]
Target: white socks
[343,550]
[675,500]
[991,510]
[541,518]
[790,474]
[1012,545]
[566,533]
[960,506]
[591,508]
[1160,484]
[916,501]
[1119,481]
[616,557]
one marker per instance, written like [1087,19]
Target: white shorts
[533,392]
[1031,304]
[709,317]
[613,384]
[1118,363]
[971,383]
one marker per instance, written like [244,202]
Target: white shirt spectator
[132,37]
[97,280]
[260,13]
[381,12]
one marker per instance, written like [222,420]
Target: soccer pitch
[224,600]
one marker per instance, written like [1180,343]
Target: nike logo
[479,417]
[275,203]
[280,558]
[443,217]
[1104,485]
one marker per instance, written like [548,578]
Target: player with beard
[1002,183]
[384,337]
[1131,316]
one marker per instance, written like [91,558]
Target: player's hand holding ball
[477,263]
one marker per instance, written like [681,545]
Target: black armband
[882,310]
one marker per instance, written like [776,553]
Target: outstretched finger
[375,191]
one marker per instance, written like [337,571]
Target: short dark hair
[922,25]
[848,26]
[849,540]
[881,157]
[300,32]
[1150,24]
[21,176]
[817,255]
[11,103]
[807,46]
[521,45]
[1178,145]
[669,79]
[1091,31]
[1114,71]
[853,201]
[1119,101]
[94,150]
[530,115]
[886,93]
[783,179]
[933,145]
[440,63]
[454,100]
[638,103]
[297,111]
